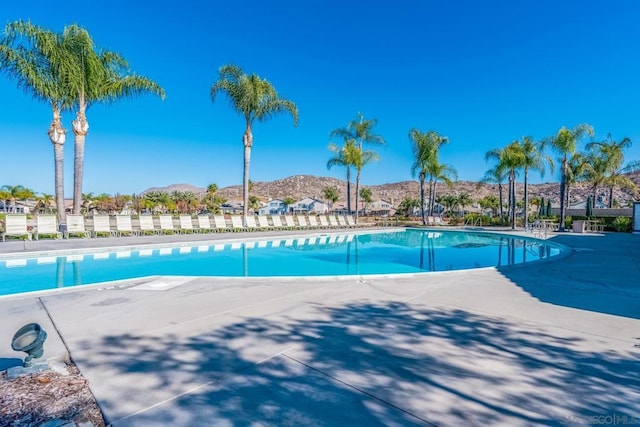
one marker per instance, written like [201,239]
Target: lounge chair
[351,222]
[204,224]
[333,222]
[263,222]
[302,221]
[75,225]
[323,221]
[186,224]
[220,223]
[276,221]
[251,222]
[102,224]
[342,222]
[166,224]
[290,222]
[47,225]
[124,226]
[313,221]
[236,223]
[15,225]
[146,225]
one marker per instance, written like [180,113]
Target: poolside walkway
[549,343]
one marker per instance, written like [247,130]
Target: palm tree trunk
[512,183]
[501,210]
[424,219]
[357,188]
[349,190]
[57,135]
[563,184]
[526,200]
[247,141]
[610,197]
[80,128]
[431,197]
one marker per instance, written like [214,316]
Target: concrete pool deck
[548,343]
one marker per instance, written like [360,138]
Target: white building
[310,205]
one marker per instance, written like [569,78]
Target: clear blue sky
[481,73]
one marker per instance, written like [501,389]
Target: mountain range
[301,186]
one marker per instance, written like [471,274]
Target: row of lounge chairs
[121,225]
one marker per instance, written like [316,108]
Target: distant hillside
[300,186]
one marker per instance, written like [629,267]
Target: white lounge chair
[313,221]
[186,224]
[166,224]
[342,222]
[263,222]
[124,226]
[75,225]
[276,221]
[47,225]
[290,222]
[323,221]
[102,224]
[333,222]
[15,225]
[236,223]
[251,222]
[302,221]
[351,222]
[204,224]
[146,225]
[220,223]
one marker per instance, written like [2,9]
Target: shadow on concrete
[374,364]
[601,275]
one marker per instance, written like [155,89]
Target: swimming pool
[356,253]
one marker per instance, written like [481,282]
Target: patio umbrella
[589,210]
[548,208]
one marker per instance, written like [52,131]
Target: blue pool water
[399,251]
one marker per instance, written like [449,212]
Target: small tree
[407,206]
[212,200]
[366,196]
[289,201]
[331,195]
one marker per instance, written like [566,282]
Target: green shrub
[622,223]
[568,222]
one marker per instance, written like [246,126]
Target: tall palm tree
[41,62]
[533,158]
[576,167]
[496,175]
[255,99]
[439,172]
[565,144]
[510,159]
[359,158]
[425,148]
[612,153]
[339,159]
[595,172]
[101,76]
[361,132]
